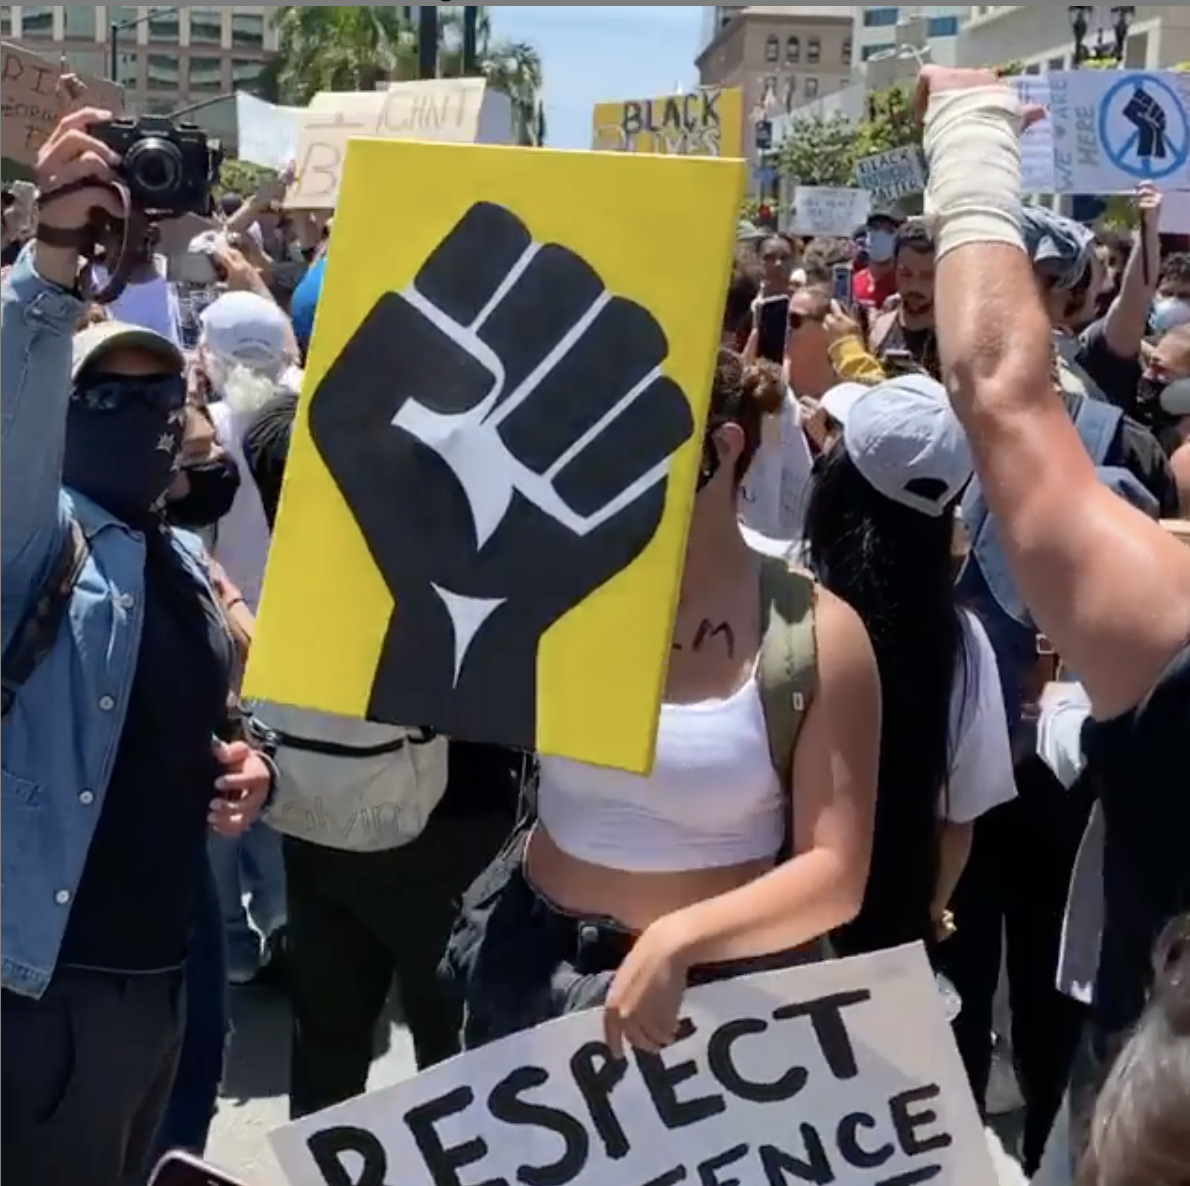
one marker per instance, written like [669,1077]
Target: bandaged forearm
[973,153]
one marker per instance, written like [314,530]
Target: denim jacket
[58,742]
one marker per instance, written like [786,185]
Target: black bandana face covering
[123,439]
[213,489]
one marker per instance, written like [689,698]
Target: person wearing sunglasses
[121,742]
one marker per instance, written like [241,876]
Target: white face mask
[1169,313]
[881,246]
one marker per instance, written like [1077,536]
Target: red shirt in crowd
[867,290]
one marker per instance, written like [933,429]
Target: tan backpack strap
[788,657]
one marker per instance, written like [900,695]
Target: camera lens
[154,167]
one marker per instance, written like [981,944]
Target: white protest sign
[455,110]
[890,176]
[265,133]
[842,1072]
[1037,141]
[826,210]
[1116,128]
[1175,214]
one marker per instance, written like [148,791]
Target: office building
[876,29]
[1040,36]
[782,56]
[168,57]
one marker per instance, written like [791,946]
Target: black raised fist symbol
[502,409]
[1147,116]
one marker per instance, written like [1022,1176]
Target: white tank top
[712,800]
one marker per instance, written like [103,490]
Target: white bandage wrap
[973,152]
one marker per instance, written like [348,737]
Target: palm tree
[345,48]
[353,47]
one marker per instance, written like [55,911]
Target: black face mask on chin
[123,437]
[213,489]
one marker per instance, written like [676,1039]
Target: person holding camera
[121,745]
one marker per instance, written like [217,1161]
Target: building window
[158,106]
[943,26]
[811,88]
[247,30]
[129,68]
[1056,64]
[245,74]
[164,73]
[881,18]
[790,93]
[871,51]
[37,20]
[79,21]
[206,26]
[88,61]
[847,49]
[793,50]
[772,49]
[1034,68]
[6,19]
[126,18]
[813,49]
[206,75]
[164,27]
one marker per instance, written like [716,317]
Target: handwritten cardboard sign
[32,104]
[890,176]
[827,210]
[841,1072]
[455,110]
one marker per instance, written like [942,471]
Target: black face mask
[213,488]
[123,438]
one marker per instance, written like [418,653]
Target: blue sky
[591,53]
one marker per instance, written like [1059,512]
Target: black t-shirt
[135,904]
[1117,377]
[1137,767]
[10,254]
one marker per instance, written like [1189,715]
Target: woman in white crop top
[629,888]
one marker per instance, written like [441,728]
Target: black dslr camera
[169,168]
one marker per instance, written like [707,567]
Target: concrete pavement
[255,1085]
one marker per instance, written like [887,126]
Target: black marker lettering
[826,1016]
[721,1060]
[327,1149]
[505,1104]
[633,117]
[442,1163]
[781,1168]
[596,1074]
[708,1172]
[708,632]
[671,1179]
[913,1177]
[853,1152]
[906,1121]
[710,109]
[662,1082]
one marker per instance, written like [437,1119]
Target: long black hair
[893,566]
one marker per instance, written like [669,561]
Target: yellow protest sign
[707,122]
[491,477]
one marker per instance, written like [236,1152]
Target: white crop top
[712,800]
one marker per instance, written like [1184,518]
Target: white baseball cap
[904,439]
[90,344]
[245,328]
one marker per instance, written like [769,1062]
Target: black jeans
[355,921]
[519,960]
[1013,892]
[88,1071]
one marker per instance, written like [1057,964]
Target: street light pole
[113,42]
[427,41]
[470,40]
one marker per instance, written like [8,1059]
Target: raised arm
[1107,585]
[38,311]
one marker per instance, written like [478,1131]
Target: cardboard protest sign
[706,122]
[265,133]
[890,176]
[843,1072]
[492,475]
[454,110]
[32,104]
[1116,128]
[826,210]
[1037,140]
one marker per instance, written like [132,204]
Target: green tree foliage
[355,47]
[823,150]
[242,177]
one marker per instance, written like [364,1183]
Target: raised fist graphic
[502,409]
[1147,116]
